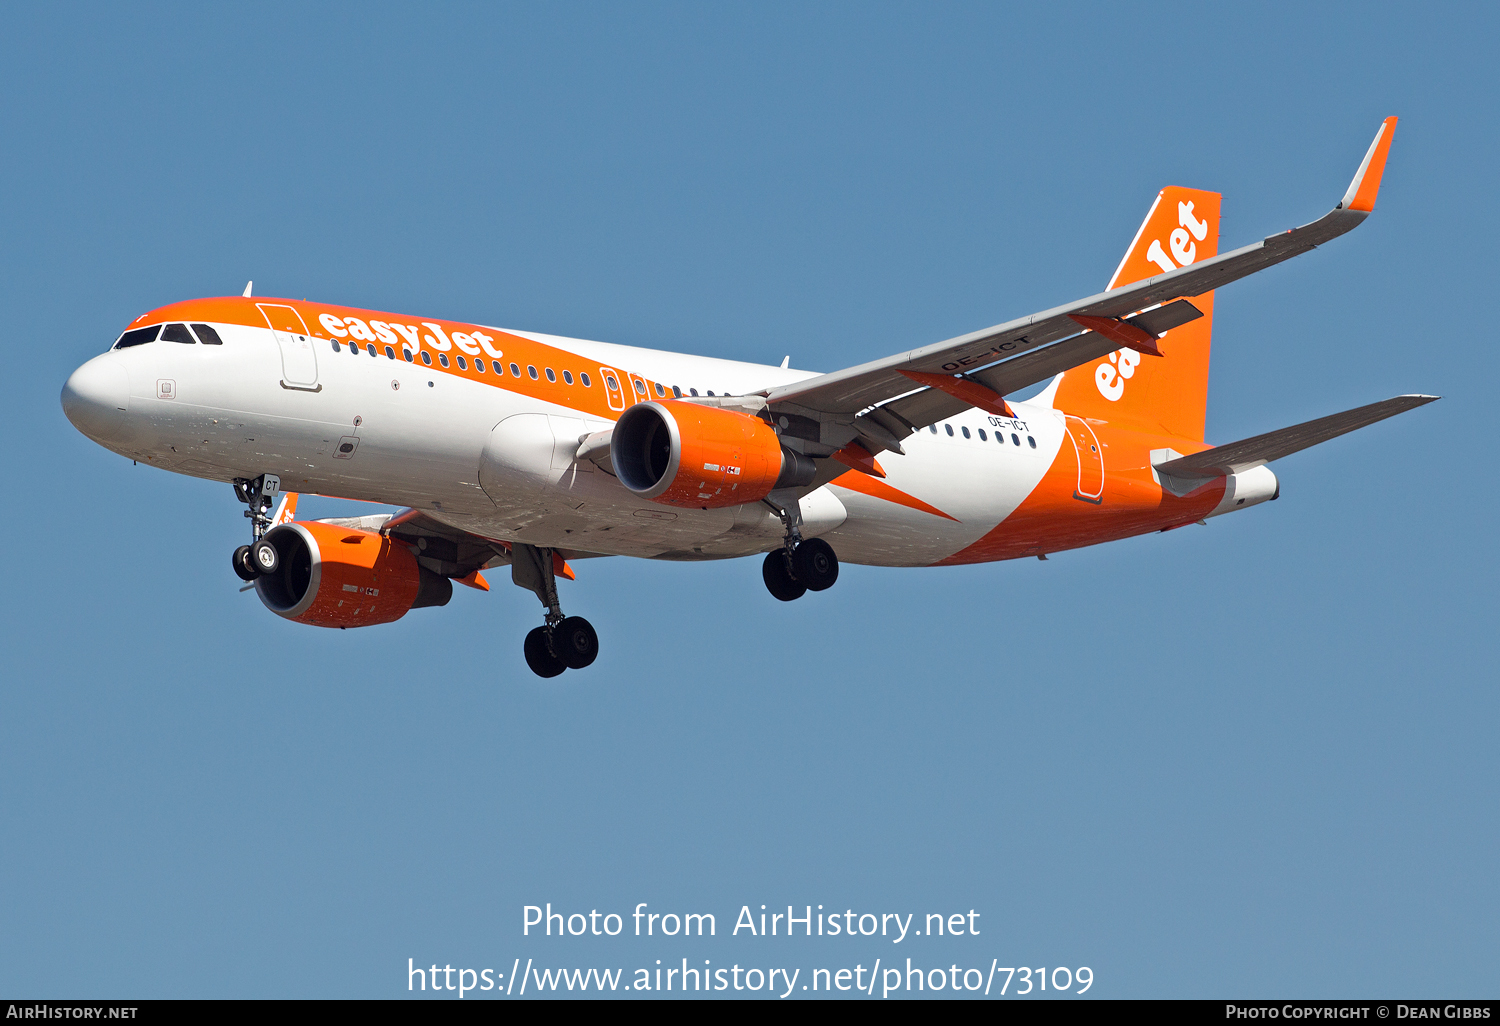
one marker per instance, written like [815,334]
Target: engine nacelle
[701,457]
[344,577]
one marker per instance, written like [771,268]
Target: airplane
[515,448]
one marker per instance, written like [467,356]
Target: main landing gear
[562,642]
[259,558]
[800,565]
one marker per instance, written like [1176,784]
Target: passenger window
[138,337]
[694,391]
[1031,441]
[710,391]
[354,348]
[479,366]
[660,392]
[443,359]
[531,371]
[640,387]
[965,431]
[676,392]
[932,428]
[207,335]
[585,379]
[390,354]
[462,363]
[1014,439]
[178,333]
[406,354]
[426,358]
[370,348]
[948,428]
[567,377]
[982,436]
[336,347]
[551,375]
[515,371]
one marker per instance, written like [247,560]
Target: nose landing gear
[243,568]
[260,557]
[562,642]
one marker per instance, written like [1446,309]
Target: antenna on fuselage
[248,284]
[786,361]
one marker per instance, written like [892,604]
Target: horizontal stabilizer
[1238,457]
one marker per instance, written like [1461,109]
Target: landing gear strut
[260,557]
[562,642]
[799,566]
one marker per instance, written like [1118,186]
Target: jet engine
[332,576]
[702,457]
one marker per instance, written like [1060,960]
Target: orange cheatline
[878,489]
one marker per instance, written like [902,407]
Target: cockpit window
[138,337]
[178,333]
[207,335]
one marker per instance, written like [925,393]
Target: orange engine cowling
[701,457]
[343,577]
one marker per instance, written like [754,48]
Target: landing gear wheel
[241,560]
[815,564]
[264,558]
[541,660]
[576,642]
[778,582]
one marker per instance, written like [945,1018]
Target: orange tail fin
[1168,393]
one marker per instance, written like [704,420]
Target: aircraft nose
[96,397]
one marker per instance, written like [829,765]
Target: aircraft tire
[576,642]
[542,662]
[241,561]
[815,564]
[778,582]
[264,559]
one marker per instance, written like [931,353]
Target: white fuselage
[499,463]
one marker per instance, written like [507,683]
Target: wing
[447,550]
[876,403]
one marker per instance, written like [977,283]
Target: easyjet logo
[1183,242]
[1110,377]
[1184,249]
[411,336]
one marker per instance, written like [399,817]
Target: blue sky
[1254,758]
